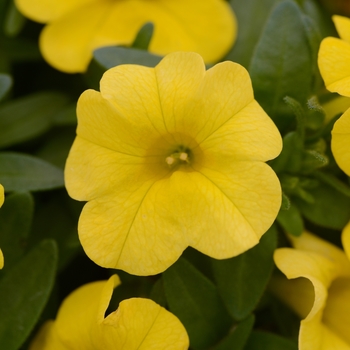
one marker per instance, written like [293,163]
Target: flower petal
[153,99]
[336,314]
[225,90]
[145,231]
[92,171]
[318,269]
[340,143]
[145,326]
[248,135]
[253,189]
[346,239]
[333,61]
[82,312]
[2,195]
[47,338]
[48,10]
[67,43]
[311,243]
[342,25]
[77,29]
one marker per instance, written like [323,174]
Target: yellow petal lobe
[137,323]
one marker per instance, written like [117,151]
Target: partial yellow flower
[335,106]
[319,290]
[137,323]
[76,27]
[334,64]
[2,198]
[171,157]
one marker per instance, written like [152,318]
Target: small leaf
[14,20]
[276,70]
[330,208]
[291,220]
[291,156]
[242,280]
[21,172]
[5,85]
[111,56]
[268,341]
[238,337]
[248,35]
[24,291]
[15,221]
[28,117]
[194,299]
[143,37]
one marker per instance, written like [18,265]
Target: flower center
[181,156]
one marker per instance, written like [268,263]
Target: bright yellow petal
[336,315]
[248,135]
[144,231]
[141,324]
[346,239]
[336,106]
[333,61]
[318,269]
[47,338]
[312,243]
[93,171]
[77,28]
[2,195]
[82,312]
[342,25]
[257,204]
[225,90]
[340,143]
[1,259]
[67,43]
[48,10]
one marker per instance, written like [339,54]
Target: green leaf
[5,85]
[15,221]
[238,337]
[14,20]
[111,56]
[268,341]
[276,70]
[242,280]
[57,146]
[194,299]
[28,117]
[24,291]
[290,158]
[21,172]
[143,37]
[291,220]
[330,208]
[248,35]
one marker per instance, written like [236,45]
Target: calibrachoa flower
[334,64]
[75,28]
[171,157]
[137,323]
[2,198]
[322,296]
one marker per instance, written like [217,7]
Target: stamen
[170,160]
[184,156]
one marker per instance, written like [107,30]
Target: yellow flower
[2,198]
[171,157]
[334,64]
[75,28]
[319,291]
[137,323]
